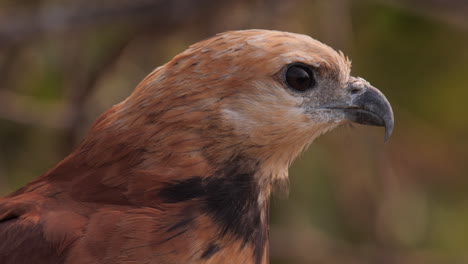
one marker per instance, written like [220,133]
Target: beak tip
[388,132]
[387,137]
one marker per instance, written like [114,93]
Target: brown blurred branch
[20,27]
[83,85]
[25,110]
[6,65]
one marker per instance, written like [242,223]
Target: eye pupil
[299,78]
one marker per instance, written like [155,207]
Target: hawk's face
[266,94]
[286,89]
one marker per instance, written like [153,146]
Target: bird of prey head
[181,171]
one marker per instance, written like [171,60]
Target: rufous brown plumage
[182,170]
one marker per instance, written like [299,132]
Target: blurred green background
[352,199]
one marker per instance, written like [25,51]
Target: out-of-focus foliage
[352,198]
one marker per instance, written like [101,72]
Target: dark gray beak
[367,106]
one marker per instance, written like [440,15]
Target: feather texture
[182,170]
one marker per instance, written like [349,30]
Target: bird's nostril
[355,90]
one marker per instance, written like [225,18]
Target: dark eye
[299,78]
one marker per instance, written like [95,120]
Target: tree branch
[23,27]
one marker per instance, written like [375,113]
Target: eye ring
[299,77]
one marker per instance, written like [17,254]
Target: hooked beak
[368,106]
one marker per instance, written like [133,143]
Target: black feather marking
[210,251]
[180,224]
[230,198]
[11,215]
[157,242]
[182,191]
[171,237]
